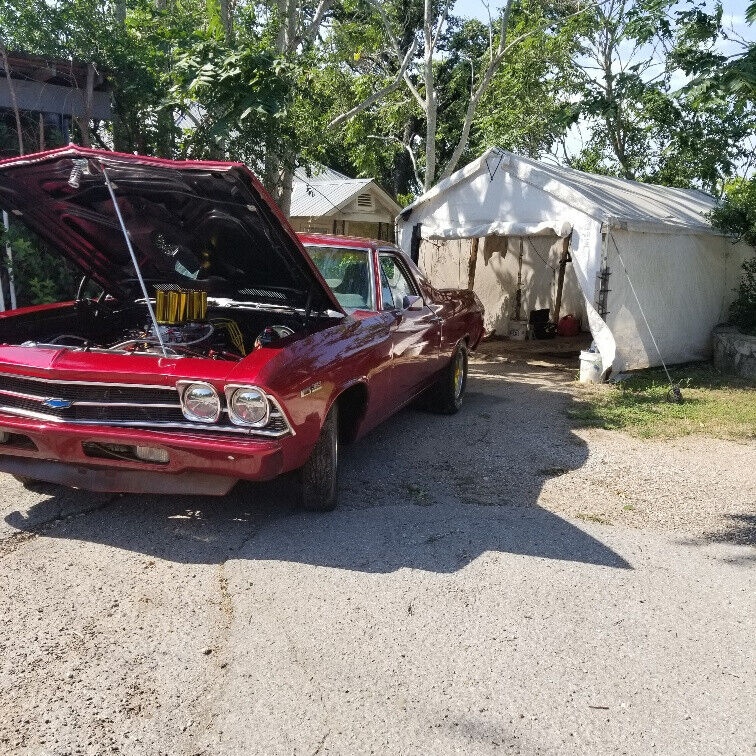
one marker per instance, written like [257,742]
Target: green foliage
[737,213]
[243,94]
[641,126]
[530,105]
[743,309]
[41,276]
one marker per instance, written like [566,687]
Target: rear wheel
[446,396]
[318,477]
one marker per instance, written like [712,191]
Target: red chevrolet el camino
[207,342]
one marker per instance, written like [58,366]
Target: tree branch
[441,20]
[312,28]
[379,94]
[472,106]
[397,51]
[501,50]
[407,147]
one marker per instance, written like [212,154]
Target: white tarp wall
[685,273]
[685,284]
[446,263]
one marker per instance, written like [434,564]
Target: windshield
[347,272]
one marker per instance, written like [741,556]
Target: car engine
[186,326]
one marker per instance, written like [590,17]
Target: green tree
[640,126]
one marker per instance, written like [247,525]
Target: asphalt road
[465,598]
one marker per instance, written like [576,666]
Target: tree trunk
[431,103]
[287,187]
[227,20]
[85,120]
[121,137]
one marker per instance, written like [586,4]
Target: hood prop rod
[134,260]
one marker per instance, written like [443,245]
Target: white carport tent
[683,271]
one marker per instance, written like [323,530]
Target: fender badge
[311,389]
[57,403]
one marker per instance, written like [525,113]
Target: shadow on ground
[422,491]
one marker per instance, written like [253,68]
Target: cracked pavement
[481,589]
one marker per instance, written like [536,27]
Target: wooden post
[563,259]
[518,293]
[472,262]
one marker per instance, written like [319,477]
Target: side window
[387,297]
[395,280]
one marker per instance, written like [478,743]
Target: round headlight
[201,403]
[249,406]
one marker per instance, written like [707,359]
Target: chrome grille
[124,405]
[91,392]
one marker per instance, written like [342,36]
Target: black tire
[318,477]
[445,397]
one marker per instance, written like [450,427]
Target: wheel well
[352,404]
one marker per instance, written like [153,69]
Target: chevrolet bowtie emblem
[57,403]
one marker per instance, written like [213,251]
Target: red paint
[569,325]
[394,355]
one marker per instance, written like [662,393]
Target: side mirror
[411,302]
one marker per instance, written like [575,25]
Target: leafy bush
[41,276]
[743,309]
[737,213]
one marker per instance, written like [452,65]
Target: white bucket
[590,367]
[518,330]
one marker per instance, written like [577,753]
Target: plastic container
[569,325]
[518,330]
[590,367]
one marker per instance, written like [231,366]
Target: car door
[416,330]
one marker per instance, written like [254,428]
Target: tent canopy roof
[612,200]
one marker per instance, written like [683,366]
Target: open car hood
[200,225]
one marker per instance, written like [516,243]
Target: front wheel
[318,477]
[446,395]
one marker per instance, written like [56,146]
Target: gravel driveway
[493,582]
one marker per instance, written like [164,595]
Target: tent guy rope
[674,395]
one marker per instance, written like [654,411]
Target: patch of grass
[714,404]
